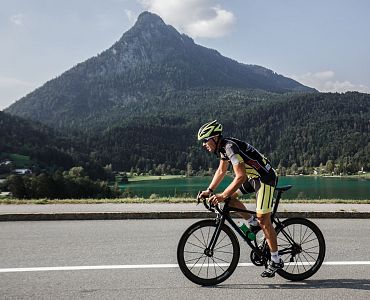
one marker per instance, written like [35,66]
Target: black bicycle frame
[225,216]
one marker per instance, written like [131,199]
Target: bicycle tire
[187,241]
[309,237]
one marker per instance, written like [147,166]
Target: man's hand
[217,198]
[205,194]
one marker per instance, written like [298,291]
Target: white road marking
[153,266]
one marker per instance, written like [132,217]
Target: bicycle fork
[212,244]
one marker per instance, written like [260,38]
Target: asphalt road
[151,242]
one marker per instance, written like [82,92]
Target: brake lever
[198,197]
[209,206]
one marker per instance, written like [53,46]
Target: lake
[304,187]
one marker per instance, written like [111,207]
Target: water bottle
[246,230]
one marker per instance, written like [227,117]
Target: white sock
[275,257]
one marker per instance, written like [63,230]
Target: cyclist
[253,173]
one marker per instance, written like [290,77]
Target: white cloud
[131,16]
[10,82]
[13,89]
[17,19]
[198,18]
[325,81]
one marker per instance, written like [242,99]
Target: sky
[324,44]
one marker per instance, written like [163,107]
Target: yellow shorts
[264,199]
[264,194]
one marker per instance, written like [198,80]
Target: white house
[22,171]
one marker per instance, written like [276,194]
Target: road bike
[208,252]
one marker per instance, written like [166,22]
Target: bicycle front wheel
[302,247]
[202,266]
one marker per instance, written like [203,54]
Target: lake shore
[166,177]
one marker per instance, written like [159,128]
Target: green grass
[5,201]
[21,161]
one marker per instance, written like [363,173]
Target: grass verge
[6,201]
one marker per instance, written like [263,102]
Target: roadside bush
[72,184]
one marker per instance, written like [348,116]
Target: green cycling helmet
[209,130]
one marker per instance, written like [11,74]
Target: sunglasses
[206,140]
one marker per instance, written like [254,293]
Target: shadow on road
[350,284]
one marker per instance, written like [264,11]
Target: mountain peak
[149,21]
[147,17]
[148,26]
[150,59]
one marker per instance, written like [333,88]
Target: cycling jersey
[261,177]
[256,165]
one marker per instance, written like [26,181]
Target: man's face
[211,144]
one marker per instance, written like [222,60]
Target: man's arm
[219,174]
[217,177]
[240,178]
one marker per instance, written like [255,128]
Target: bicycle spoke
[199,240]
[310,252]
[287,236]
[209,230]
[225,252]
[222,247]
[314,260]
[304,235]
[299,257]
[284,240]
[312,247]
[225,261]
[310,241]
[217,264]
[195,245]
[290,234]
[309,255]
[207,265]
[297,264]
[307,237]
[205,243]
[307,260]
[220,241]
[287,258]
[294,267]
[193,252]
[195,263]
[186,261]
[285,245]
[200,269]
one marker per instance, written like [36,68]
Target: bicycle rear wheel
[302,247]
[201,266]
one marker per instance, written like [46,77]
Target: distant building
[5,194]
[22,171]
[6,163]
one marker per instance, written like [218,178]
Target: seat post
[276,204]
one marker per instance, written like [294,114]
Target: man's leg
[245,188]
[264,207]
[270,234]
[235,202]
